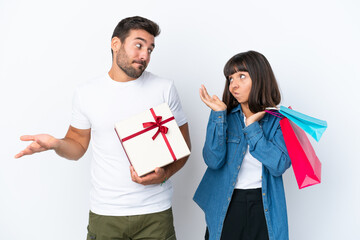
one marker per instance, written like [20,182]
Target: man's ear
[115,44]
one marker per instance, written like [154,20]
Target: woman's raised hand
[212,102]
[254,118]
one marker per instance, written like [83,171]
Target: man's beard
[122,61]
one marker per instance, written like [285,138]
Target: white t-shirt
[99,104]
[250,172]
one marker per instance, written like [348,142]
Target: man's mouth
[141,63]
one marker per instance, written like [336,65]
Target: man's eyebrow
[141,39]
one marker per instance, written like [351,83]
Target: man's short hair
[123,28]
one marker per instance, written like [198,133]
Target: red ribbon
[157,123]
[161,129]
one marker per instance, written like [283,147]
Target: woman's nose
[234,84]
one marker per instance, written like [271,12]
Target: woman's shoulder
[270,124]
[271,119]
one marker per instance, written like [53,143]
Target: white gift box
[145,145]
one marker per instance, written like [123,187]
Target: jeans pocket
[172,237]
[90,236]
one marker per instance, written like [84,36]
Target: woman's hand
[255,117]
[212,102]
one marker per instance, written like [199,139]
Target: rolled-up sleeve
[214,151]
[271,153]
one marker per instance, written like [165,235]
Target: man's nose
[144,55]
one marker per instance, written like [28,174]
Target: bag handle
[276,114]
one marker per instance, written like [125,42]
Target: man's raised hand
[40,143]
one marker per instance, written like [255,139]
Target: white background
[48,47]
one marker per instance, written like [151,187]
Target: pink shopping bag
[305,163]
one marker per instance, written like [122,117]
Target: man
[123,205]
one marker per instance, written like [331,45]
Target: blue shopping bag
[313,126]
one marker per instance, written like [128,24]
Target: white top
[99,104]
[250,172]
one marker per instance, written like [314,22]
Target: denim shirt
[225,146]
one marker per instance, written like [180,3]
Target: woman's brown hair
[264,91]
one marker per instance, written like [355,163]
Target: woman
[242,192]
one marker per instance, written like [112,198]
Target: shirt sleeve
[174,103]
[215,147]
[79,119]
[272,153]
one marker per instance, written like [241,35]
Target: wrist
[166,174]
[247,123]
[220,109]
[164,180]
[55,144]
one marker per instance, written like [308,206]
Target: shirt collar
[238,109]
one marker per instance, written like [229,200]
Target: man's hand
[72,147]
[41,142]
[162,174]
[152,178]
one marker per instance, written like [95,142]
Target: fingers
[24,152]
[205,97]
[259,115]
[152,178]
[27,138]
[202,93]
[216,98]
[19,155]
[256,117]
[159,171]
[134,175]
[203,88]
[262,113]
[32,148]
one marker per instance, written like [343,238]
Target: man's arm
[171,169]
[73,146]
[162,174]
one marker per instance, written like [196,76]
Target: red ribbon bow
[158,123]
[161,129]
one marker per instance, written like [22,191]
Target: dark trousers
[245,219]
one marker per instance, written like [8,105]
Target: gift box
[152,139]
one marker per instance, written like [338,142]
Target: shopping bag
[313,126]
[305,163]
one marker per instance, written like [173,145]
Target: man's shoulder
[92,83]
[152,78]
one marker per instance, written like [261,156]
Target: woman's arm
[271,153]
[214,151]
